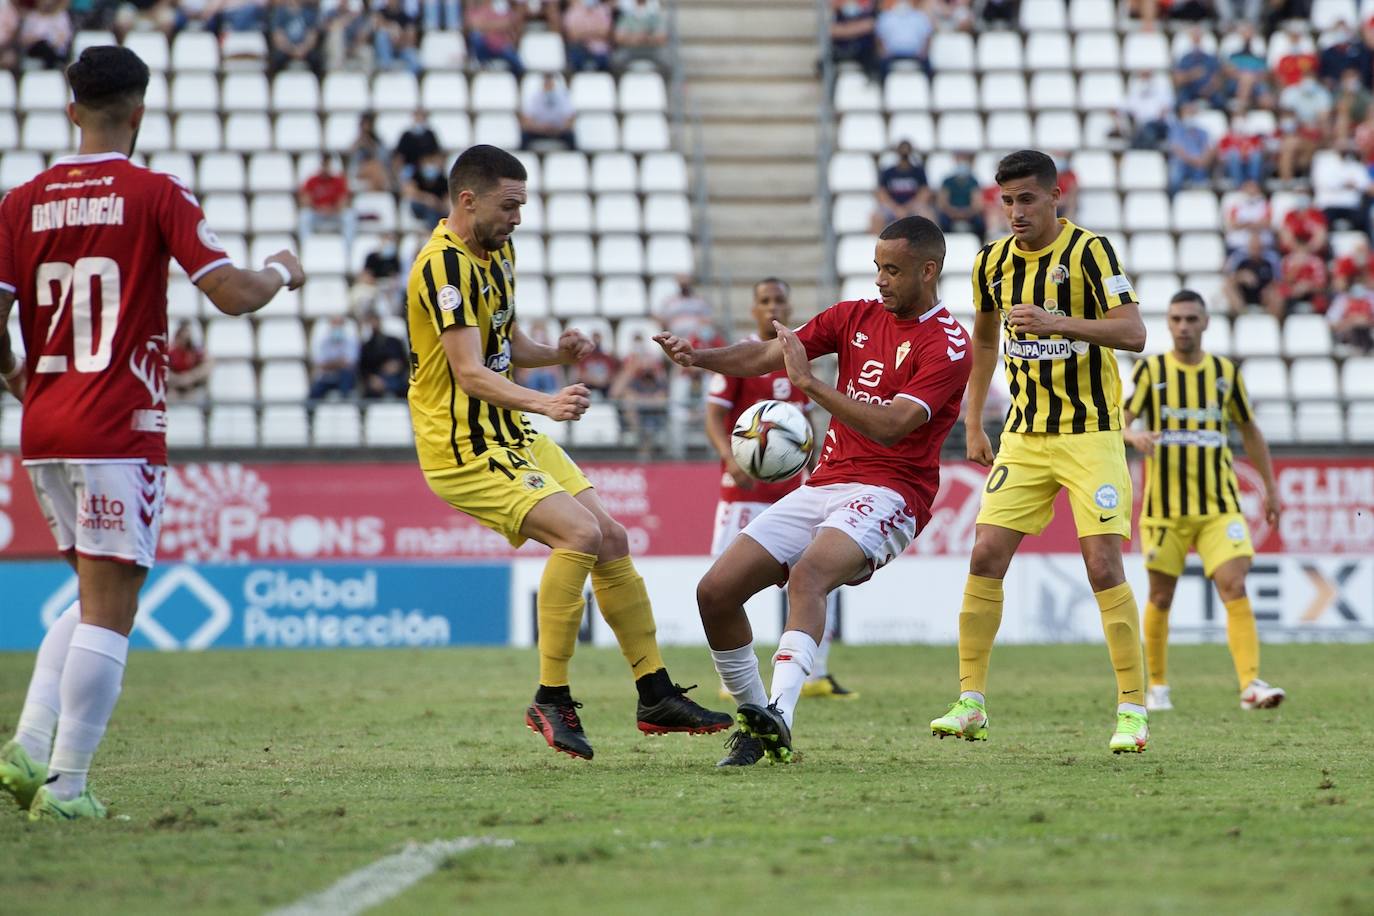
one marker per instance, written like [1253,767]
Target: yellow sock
[979,619]
[1243,638]
[560,605]
[624,603]
[1156,643]
[1121,626]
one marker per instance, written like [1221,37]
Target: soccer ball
[772,440]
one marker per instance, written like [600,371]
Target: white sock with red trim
[43,703]
[791,664]
[91,682]
[739,673]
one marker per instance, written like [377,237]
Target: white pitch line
[386,878]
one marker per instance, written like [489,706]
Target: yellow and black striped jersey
[451,287]
[1057,385]
[1191,408]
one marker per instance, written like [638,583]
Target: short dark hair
[108,78]
[1028,163]
[1188,295]
[479,169]
[787,287]
[920,233]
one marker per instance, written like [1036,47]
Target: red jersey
[924,359]
[1304,223]
[84,248]
[737,395]
[325,192]
[1244,144]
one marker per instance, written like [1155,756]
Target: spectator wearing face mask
[493,29]
[903,190]
[1250,278]
[1197,73]
[588,27]
[295,37]
[1298,60]
[688,315]
[325,203]
[1345,52]
[396,38]
[418,141]
[382,361]
[903,33]
[334,350]
[548,116]
[1352,104]
[1340,189]
[1241,153]
[1245,212]
[640,34]
[959,205]
[1302,284]
[1191,153]
[852,35]
[378,286]
[1144,113]
[425,188]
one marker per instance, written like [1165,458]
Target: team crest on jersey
[782,389]
[1106,497]
[902,352]
[1059,275]
[859,338]
[1224,386]
[449,298]
[534,481]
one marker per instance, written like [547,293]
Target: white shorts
[875,518]
[104,510]
[731,519]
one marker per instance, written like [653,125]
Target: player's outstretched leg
[979,619]
[1120,619]
[559,606]
[821,683]
[24,760]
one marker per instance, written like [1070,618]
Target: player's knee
[615,541]
[1231,587]
[1104,572]
[805,579]
[714,596]
[1162,598]
[584,536]
[988,561]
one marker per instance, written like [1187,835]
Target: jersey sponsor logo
[871,373]
[103,181]
[902,352]
[149,421]
[1107,497]
[1039,349]
[499,319]
[863,397]
[207,236]
[449,298]
[1205,438]
[500,362]
[782,389]
[1209,414]
[859,338]
[1119,285]
[78,211]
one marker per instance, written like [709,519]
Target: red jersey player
[83,251]
[903,365]
[742,498]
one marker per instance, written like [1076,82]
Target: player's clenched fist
[679,351]
[574,346]
[293,267]
[1142,440]
[1031,319]
[979,446]
[569,404]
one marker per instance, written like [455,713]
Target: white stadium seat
[856,92]
[1091,14]
[47,131]
[623,296]
[285,380]
[281,338]
[442,50]
[574,295]
[1357,378]
[1101,91]
[1266,378]
[43,89]
[667,213]
[543,52]
[232,381]
[1143,170]
[1053,89]
[233,425]
[1096,51]
[1255,335]
[244,131]
[1313,378]
[1044,15]
[999,51]
[960,131]
[670,254]
[1196,210]
[644,132]
[1145,51]
[151,47]
[1360,422]
[1152,251]
[1200,251]
[387,424]
[324,295]
[1320,421]
[954,92]
[568,213]
[1307,335]
[194,91]
[494,91]
[950,50]
[185,424]
[851,212]
[600,425]
[336,424]
[18,166]
[228,213]
[1276,419]
[862,132]
[245,92]
[593,92]
[665,171]
[345,91]
[1009,130]
[916,127]
[298,132]
[597,131]
[643,91]
[496,128]
[620,254]
[904,91]
[571,254]
[617,213]
[284,426]
[1003,92]
[854,256]
[271,171]
[614,172]
[855,172]
[1057,130]
[295,90]
[566,171]
[183,167]
[1217,338]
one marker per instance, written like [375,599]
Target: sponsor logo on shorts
[1236,531]
[1106,496]
[533,481]
[100,513]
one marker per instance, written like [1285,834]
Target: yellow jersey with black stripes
[1057,385]
[451,287]
[1191,407]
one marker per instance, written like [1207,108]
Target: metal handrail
[829,277]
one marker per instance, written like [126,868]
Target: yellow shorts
[1031,468]
[1218,539]
[501,487]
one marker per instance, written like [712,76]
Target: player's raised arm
[463,347]
[745,359]
[235,291]
[528,353]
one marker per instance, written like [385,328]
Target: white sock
[43,703]
[91,681]
[821,665]
[791,664]
[974,695]
[1131,707]
[739,672]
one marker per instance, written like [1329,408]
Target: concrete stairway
[751,76]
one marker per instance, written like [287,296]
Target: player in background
[1059,295]
[903,365]
[83,251]
[1188,399]
[481,456]
[742,498]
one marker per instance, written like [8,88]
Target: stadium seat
[1320,421]
[246,51]
[600,425]
[1357,378]
[950,51]
[387,424]
[854,91]
[1094,51]
[285,381]
[231,380]
[532,295]
[295,90]
[960,250]
[1307,335]
[1052,90]
[151,47]
[244,131]
[1143,170]
[1196,210]
[324,295]
[571,254]
[566,171]
[183,299]
[47,131]
[494,91]
[531,219]
[1043,15]
[643,132]
[232,425]
[298,132]
[568,213]
[396,90]
[543,52]
[597,131]
[643,91]
[271,171]
[336,424]
[217,173]
[620,254]
[852,172]
[1145,51]
[226,212]
[284,426]
[1101,92]
[1200,251]
[854,256]
[281,338]
[1255,335]
[592,92]
[555,430]
[1154,291]
[344,91]
[41,90]
[497,128]
[1266,378]
[1095,169]
[999,51]
[663,172]
[185,426]
[229,339]
[1008,130]
[862,131]
[954,92]
[245,92]
[18,166]
[442,50]
[1003,92]
[617,213]
[614,172]
[670,254]
[622,296]
[9,93]
[11,415]
[1313,378]
[1327,14]
[667,213]
[453,129]
[850,213]
[573,295]
[533,169]
[903,90]
[960,131]
[1152,251]
[1217,338]
[916,127]
[1057,130]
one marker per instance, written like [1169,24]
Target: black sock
[558,696]
[654,686]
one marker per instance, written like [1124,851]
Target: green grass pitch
[242,781]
